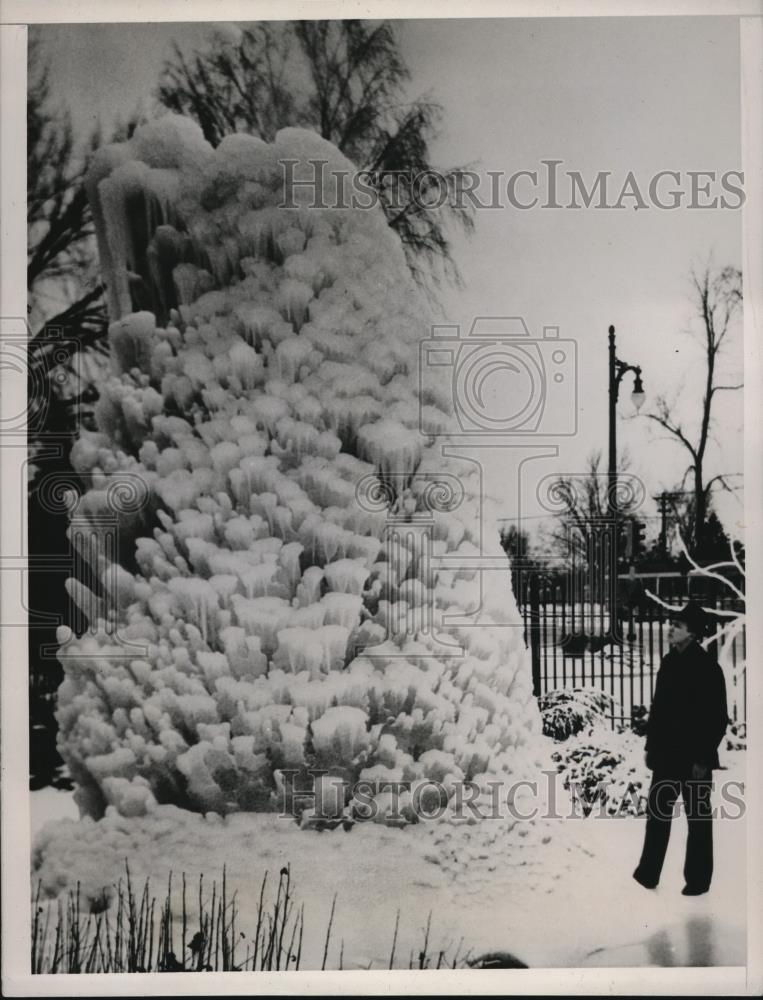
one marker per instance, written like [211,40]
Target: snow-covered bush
[605,770]
[639,719]
[601,768]
[255,618]
[736,736]
[566,711]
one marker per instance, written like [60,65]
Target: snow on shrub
[601,768]
[736,737]
[275,625]
[605,770]
[566,711]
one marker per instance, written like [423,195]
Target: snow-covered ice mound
[266,397]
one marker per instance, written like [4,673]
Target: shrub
[608,764]
[566,711]
[736,737]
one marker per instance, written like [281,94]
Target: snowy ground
[553,893]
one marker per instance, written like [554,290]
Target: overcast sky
[616,94]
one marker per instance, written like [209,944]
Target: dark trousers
[663,793]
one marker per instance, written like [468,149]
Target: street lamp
[617,369]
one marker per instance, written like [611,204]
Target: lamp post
[617,369]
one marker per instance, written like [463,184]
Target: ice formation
[270,371]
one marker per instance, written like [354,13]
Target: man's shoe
[643,881]
[692,890]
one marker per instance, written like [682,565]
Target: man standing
[686,724]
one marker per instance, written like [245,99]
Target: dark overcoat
[688,716]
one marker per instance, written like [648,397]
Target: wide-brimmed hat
[693,617]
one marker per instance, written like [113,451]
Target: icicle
[290,355]
[309,589]
[113,193]
[261,581]
[91,606]
[340,734]
[292,241]
[247,364]
[346,576]
[294,297]
[342,609]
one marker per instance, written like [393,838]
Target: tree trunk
[700,510]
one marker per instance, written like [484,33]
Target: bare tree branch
[717,296]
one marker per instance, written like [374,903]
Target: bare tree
[346,80]
[681,514]
[515,542]
[731,617]
[582,507]
[717,295]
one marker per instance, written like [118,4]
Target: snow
[499,886]
[391,447]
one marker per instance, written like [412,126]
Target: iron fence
[581,643]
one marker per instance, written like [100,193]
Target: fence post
[535,632]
